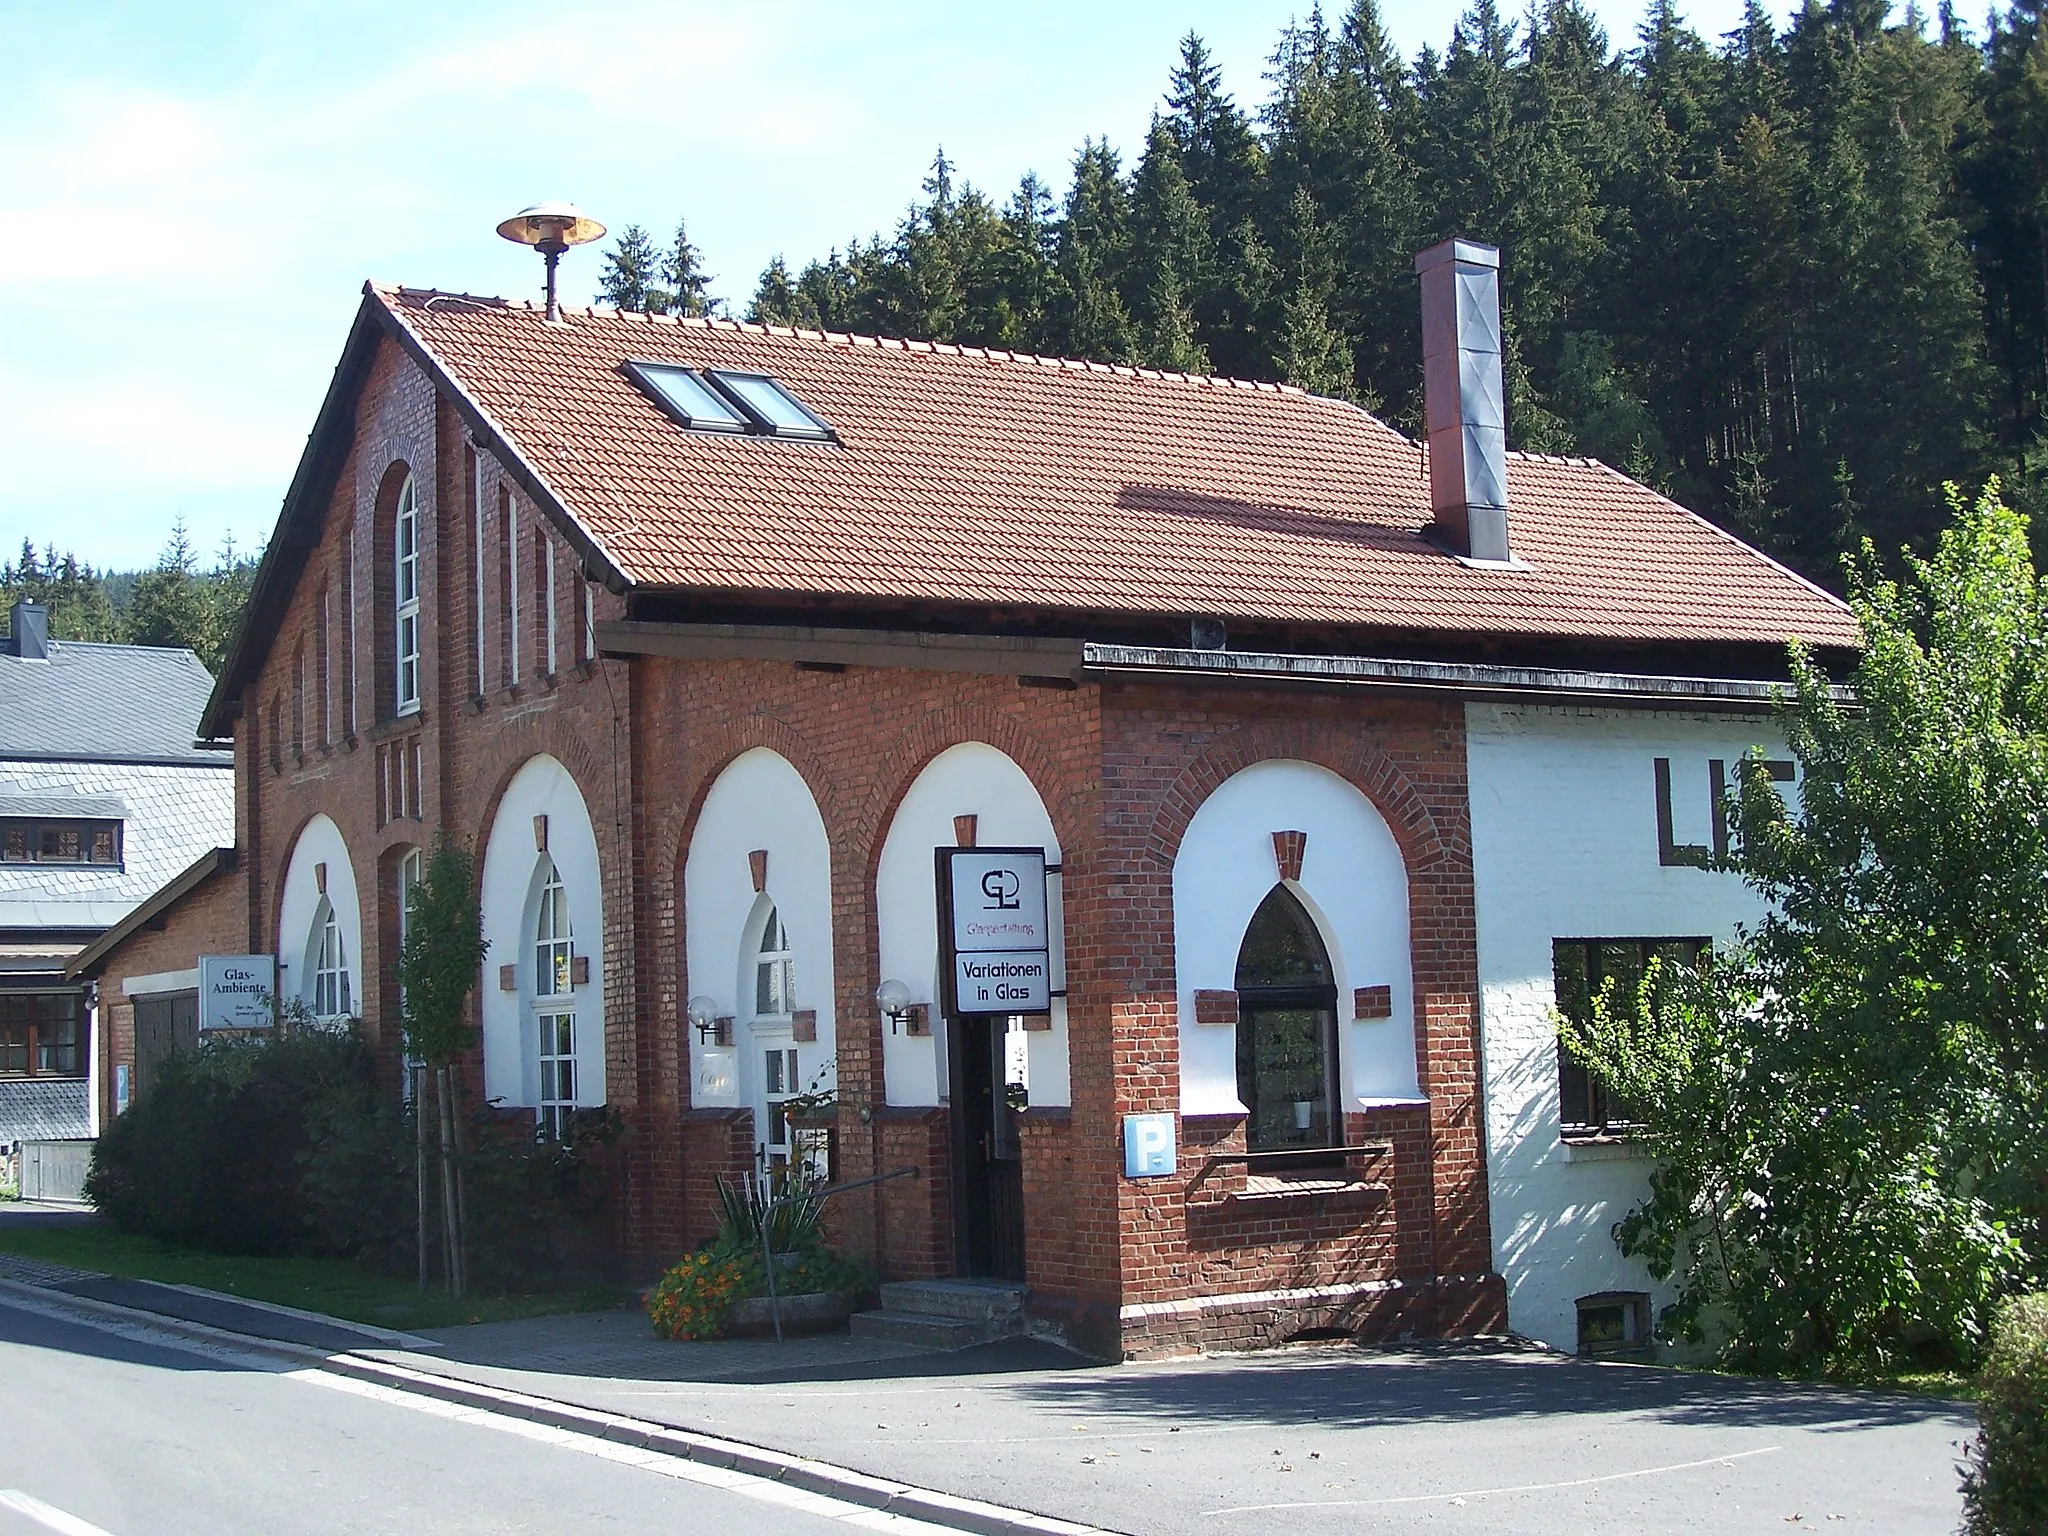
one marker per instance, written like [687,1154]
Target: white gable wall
[1565,846]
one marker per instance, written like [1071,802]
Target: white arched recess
[972,779]
[302,912]
[759,804]
[1353,882]
[515,871]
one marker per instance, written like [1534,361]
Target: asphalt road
[131,1434]
[1332,1441]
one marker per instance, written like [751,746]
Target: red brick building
[707,638]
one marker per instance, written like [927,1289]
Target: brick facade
[1125,1266]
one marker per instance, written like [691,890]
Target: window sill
[1267,1190]
[1393,1101]
[1603,1149]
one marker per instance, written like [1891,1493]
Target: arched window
[406,596]
[1287,1068]
[554,1009]
[331,998]
[774,969]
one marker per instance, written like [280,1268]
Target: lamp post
[551,228]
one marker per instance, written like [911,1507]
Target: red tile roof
[983,477]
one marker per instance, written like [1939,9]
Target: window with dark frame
[1581,969]
[730,401]
[42,1034]
[65,840]
[1287,1057]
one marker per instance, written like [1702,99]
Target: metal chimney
[1463,405]
[29,631]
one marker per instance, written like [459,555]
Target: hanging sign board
[992,923]
[235,991]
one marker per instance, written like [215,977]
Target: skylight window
[688,398]
[768,402]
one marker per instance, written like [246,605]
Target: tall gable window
[406,596]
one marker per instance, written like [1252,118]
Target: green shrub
[2005,1482]
[538,1210]
[212,1156]
[691,1301]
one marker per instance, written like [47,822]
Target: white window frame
[547,546]
[554,1008]
[331,994]
[771,973]
[509,506]
[589,622]
[405,591]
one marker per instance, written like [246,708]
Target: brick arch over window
[1423,842]
[716,749]
[964,723]
[384,582]
[552,737]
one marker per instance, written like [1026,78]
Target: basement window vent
[1613,1322]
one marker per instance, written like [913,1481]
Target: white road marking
[48,1516]
[745,1484]
[1480,1493]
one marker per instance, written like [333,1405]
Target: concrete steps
[944,1314]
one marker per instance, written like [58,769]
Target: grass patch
[336,1287]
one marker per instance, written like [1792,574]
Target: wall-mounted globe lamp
[894,1000]
[703,1015]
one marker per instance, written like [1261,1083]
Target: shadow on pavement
[35,1330]
[19,1214]
[1360,1388]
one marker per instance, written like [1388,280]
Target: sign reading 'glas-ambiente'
[996,931]
[235,991]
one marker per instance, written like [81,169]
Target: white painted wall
[970,779]
[759,801]
[298,937]
[1564,846]
[1353,882]
[513,876]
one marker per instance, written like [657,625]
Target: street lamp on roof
[551,228]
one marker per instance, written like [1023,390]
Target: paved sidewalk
[1325,1439]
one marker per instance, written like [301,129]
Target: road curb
[821,1477]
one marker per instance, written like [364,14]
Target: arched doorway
[1287,1058]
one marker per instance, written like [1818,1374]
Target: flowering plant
[692,1299]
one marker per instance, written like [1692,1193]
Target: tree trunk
[417,1073]
[450,1241]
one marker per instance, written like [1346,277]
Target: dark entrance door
[988,1168]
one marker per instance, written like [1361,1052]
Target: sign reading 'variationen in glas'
[996,930]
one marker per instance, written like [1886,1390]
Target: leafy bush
[2005,1483]
[791,1227]
[1847,1106]
[291,1146]
[213,1155]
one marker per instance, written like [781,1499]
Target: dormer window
[59,841]
[406,591]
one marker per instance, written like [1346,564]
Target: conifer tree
[631,275]
[689,285]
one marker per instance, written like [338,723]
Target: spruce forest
[1794,278]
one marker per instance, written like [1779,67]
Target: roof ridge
[426,296]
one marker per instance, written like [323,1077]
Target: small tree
[437,968]
[1847,1107]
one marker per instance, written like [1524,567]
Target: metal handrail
[821,1196]
[1278,1154]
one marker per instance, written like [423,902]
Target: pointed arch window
[331,998]
[406,593]
[774,1001]
[1288,1074]
[554,1010]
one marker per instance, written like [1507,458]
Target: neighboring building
[104,796]
[717,642]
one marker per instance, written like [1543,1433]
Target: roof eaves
[215,861]
[498,441]
[305,499]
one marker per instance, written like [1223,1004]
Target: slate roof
[44,1109]
[104,703]
[991,478]
[174,813]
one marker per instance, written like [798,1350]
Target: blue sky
[197,191]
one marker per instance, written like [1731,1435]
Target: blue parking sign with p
[1148,1146]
